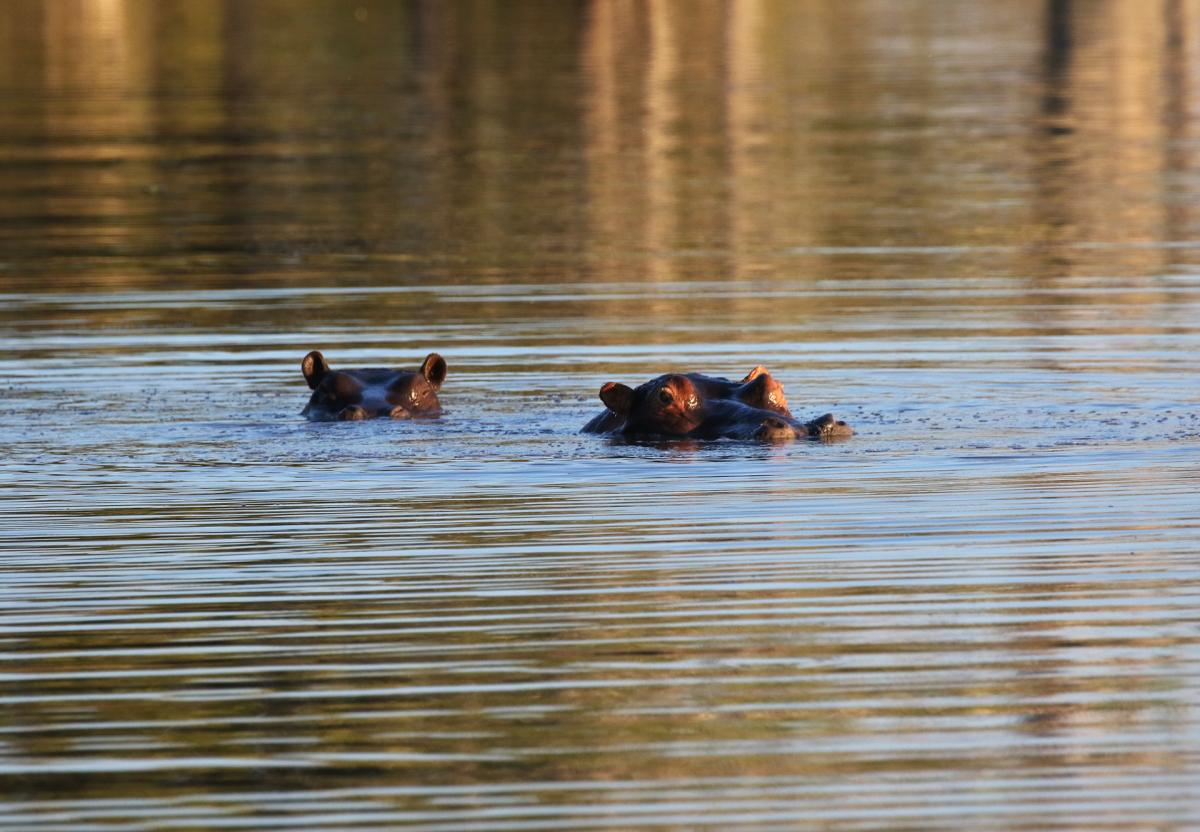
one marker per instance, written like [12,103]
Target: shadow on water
[968,229]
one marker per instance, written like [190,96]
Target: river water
[971,230]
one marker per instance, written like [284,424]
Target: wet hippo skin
[680,406]
[371,392]
[758,389]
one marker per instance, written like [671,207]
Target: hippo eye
[665,396]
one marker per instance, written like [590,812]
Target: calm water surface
[972,230]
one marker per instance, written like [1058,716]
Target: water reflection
[968,228]
[1112,117]
[733,134]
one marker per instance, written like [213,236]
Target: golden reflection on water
[612,141]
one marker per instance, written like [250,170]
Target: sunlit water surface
[971,232]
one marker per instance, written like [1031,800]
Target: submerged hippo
[372,392]
[679,406]
[758,389]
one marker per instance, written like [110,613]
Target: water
[968,229]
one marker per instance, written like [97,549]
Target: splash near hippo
[372,392]
[696,406]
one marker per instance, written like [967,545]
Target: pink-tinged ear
[684,391]
[314,368]
[434,369]
[617,397]
[760,370]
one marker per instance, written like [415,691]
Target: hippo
[758,389]
[369,392]
[677,406]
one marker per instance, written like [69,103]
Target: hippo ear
[434,369]
[617,397]
[764,392]
[314,368]
[760,370]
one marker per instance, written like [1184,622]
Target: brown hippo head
[372,391]
[702,407]
[757,389]
[669,405]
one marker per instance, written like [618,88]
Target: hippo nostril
[353,413]
[399,413]
[827,427]
[775,430]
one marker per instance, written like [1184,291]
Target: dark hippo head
[669,405]
[372,391]
[699,407]
[758,389]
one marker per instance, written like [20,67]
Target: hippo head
[696,406]
[668,405]
[757,389]
[372,391]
